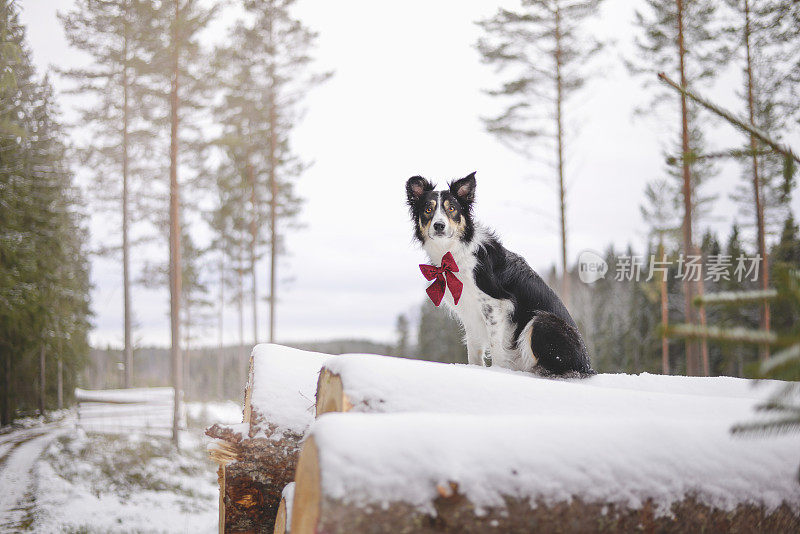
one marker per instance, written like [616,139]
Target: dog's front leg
[475,351]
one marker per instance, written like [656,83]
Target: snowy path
[19,451]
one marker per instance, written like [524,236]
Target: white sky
[406,99]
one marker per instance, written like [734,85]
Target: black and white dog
[504,306]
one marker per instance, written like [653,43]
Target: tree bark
[253,471]
[220,355]
[126,282]
[175,234]
[691,352]
[762,247]
[565,282]
[240,272]
[703,341]
[258,458]
[273,201]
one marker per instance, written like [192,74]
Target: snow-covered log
[257,458]
[366,383]
[283,521]
[510,473]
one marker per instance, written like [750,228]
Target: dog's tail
[552,346]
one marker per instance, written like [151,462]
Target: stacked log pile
[427,447]
[257,458]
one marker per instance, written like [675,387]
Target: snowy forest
[181,180]
[185,148]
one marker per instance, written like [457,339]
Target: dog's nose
[438,226]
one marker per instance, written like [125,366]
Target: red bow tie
[444,278]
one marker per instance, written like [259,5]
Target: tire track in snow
[8,447]
[16,477]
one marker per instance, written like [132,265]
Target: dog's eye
[428,209]
[452,208]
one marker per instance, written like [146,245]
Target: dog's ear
[464,189]
[416,186]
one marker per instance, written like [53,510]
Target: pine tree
[264,74]
[680,36]
[516,42]
[176,78]
[44,286]
[402,328]
[765,88]
[660,214]
[227,221]
[121,144]
[780,20]
[734,315]
[439,336]
[786,255]
[16,255]
[195,302]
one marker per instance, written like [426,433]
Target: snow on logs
[455,448]
[366,383]
[516,452]
[257,457]
[512,473]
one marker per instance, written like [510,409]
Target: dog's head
[445,214]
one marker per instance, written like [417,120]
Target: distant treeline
[209,373]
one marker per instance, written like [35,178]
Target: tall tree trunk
[220,361]
[762,247]
[273,201]
[703,341]
[243,238]
[251,178]
[241,297]
[42,380]
[126,283]
[175,235]
[691,348]
[664,313]
[565,285]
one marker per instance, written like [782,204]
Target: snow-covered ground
[58,478]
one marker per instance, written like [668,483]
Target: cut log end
[248,393]
[223,453]
[280,519]
[330,394]
[306,507]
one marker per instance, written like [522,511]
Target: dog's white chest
[486,320]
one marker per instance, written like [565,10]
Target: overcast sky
[406,99]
